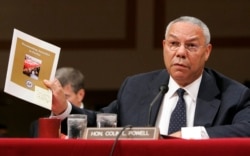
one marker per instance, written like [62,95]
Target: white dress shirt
[168,104]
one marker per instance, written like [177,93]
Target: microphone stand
[117,137]
[163,90]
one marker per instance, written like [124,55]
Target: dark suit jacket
[223,105]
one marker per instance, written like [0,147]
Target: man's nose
[181,51]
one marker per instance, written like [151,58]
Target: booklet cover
[31,61]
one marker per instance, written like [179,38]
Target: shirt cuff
[198,132]
[65,114]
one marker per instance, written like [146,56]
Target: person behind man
[216,106]
[72,81]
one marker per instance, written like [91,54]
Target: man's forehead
[187,30]
[188,38]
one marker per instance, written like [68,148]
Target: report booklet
[31,60]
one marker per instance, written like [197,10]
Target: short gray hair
[195,21]
[72,76]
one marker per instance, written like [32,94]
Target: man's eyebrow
[193,38]
[172,35]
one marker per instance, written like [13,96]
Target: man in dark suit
[215,105]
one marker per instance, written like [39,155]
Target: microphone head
[163,88]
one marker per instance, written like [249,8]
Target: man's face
[185,52]
[71,96]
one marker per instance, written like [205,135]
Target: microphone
[163,89]
[117,137]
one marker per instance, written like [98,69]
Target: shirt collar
[192,89]
[82,105]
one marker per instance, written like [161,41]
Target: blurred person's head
[72,81]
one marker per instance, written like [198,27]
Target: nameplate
[140,133]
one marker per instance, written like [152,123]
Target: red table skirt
[70,147]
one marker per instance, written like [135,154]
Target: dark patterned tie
[178,116]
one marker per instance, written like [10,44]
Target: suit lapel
[208,102]
[154,89]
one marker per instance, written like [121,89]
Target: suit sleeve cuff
[65,114]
